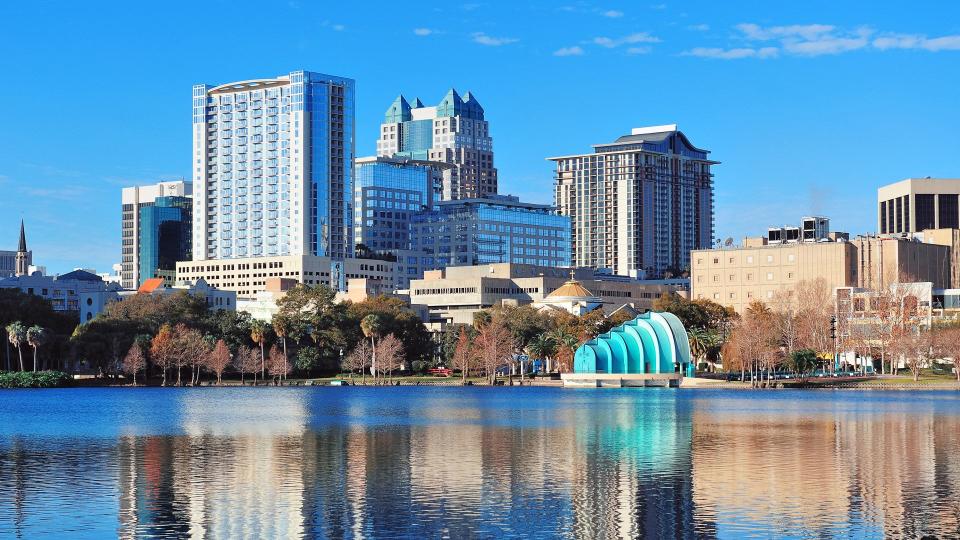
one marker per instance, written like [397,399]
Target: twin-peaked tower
[454,132]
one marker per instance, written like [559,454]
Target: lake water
[421,462]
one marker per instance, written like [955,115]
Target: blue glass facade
[491,230]
[417,139]
[164,236]
[275,166]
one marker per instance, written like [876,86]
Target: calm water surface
[477,463]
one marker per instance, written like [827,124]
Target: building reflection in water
[878,470]
[308,463]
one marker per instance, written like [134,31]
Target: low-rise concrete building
[454,294]
[758,271]
[248,276]
[79,291]
[215,298]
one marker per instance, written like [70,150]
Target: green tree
[258,333]
[17,335]
[308,358]
[372,326]
[36,337]
[803,361]
[281,327]
[543,347]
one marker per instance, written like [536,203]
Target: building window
[769,276]
[769,258]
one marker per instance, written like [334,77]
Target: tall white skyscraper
[273,167]
[640,204]
[454,132]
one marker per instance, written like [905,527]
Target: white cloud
[732,54]
[794,39]
[339,27]
[422,31]
[639,50]
[569,51]
[907,41]
[805,31]
[699,27]
[638,37]
[827,44]
[484,39]
[613,14]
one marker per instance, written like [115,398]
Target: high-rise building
[915,204]
[493,229]
[640,204]
[387,191]
[454,131]
[273,167]
[164,237]
[133,200]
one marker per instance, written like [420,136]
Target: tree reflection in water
[432,462]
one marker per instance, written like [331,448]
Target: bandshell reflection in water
[477,462]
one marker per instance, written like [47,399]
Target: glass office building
[273,167]
[493,229]
[387,191]
[133,200]
[165,239]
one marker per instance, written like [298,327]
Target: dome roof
[571,289]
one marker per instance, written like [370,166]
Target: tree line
[801,329]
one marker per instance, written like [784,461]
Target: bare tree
[463,355]
[915,345]
[358,359]
[815,306]
[218,360]
[278,364]
[134,361]
[494,346]
[248,361]
[190,348]
[947,344]
[390,354]
[163,350]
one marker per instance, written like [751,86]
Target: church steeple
[23,239]
[23,260]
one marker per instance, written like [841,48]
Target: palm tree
[36,336]
[700,342]
[567,344]
[281,327]
[372,325]
[258,333]
[542,347]
[17,334]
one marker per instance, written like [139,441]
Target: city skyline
[747,83]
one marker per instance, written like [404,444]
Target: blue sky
[810,106]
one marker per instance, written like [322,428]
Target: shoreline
[687,384]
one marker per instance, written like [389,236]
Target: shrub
[30,379]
